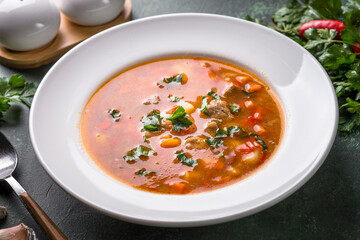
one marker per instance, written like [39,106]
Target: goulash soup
[182,125]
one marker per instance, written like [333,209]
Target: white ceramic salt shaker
[91,12]
[28,24]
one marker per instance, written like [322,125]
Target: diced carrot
[252,87]
[167,136]
[211,74]
[170,143]
[179,187]
[242,79]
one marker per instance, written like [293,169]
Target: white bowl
[91,12]
[28,24]
[304,89]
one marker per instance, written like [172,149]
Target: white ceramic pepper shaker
[91,12]
[28,24]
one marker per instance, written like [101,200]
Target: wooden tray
[69,35]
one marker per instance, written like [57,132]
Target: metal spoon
[8,162]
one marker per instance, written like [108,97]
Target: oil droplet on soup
[182,125]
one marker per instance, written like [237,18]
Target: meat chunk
[152,100]
[231,90]
[211,128]
[219,109]
[197,142]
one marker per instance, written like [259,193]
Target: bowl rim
[270,202]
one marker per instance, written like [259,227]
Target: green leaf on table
[16,90]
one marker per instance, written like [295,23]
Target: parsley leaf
[174,99]
[213,95]
[144,172]
[180,119]
[220,134]
[259,141]
[214,143]
[234,108]
[204,105]
[176,79]
[115,114]
[136,154]
[184,159]
[152,122]
[16,90]
[232,130]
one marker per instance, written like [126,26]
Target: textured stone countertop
[326,207]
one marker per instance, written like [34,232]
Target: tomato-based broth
[181,125]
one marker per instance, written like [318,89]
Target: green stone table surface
[326,207]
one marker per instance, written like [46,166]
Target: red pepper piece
[323,24]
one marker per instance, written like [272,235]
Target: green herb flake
[204,105]
[213,142]
[259,141]
[220,134]
[152,122]
[144,172]
[184,159]
[176,79]
[147,142]
[174,99]
[213,95]
[180,119]
[234,108]
[233,129]
[136,154]
[115,114]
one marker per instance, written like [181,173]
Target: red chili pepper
[323,24]
[355,49]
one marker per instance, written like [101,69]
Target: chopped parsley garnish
[248,93]
[115,114]
[234,108]
[184,159]
[144,172]
[203,107]
[152,122]
[136,154]
[214,143]
[213,95]
[15,90]
[259,141]
[232,130]
[175,79]
[180,119]
[174,99]
[220,134]
[147,142]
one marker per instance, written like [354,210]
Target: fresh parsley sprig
[15,90]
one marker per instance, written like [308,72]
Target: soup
[182,125]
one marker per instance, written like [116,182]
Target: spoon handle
[49,227]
